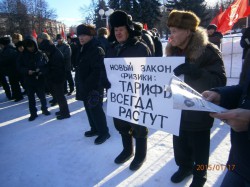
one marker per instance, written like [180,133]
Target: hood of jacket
[32,39]
[195,47]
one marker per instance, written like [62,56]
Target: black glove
[191,70]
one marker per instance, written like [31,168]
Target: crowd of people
[39,67]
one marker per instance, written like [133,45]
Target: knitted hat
[6,40]
[120,18]
[183,19]
[86,30]
[43,36]
[212,26]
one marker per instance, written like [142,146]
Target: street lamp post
[107,14]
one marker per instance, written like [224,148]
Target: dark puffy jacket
[35,61]
[90,70]
[8,58]
[245,42]
[132,48]
[208,61]
[56,63]
[239,97]
[66,51]
[215,38]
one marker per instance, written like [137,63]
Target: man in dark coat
[8,57]
[125,43]
[33,66]
[56,77]
[214,36]
[202,70]
[237,99]
[66,51]
[245,42]
[89,86]
[102,35]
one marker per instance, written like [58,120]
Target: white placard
[138,91]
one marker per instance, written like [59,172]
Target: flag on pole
[247,13]
[231,15]
[34,33]
[218,17]
[62,33]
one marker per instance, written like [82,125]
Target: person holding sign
[202,70]
[237,99]
[126,44]
[88,80]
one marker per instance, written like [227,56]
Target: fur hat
[43,36]
[85,29]
[6,40]
[212,26]
[120,18]
[183,19]
[17,36]
[102,31]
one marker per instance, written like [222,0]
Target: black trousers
[57,91]
[96,116]
[40,92]
[70,81]
[191,151]
[124,127]
[5,85]
[15,86]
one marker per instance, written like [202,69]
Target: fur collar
[196,46]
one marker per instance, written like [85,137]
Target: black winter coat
[206,61]
[66,51]
[132,48]
[90,70]
[8,58]
[239,97]
[35,61]
[245,42]
[56,65]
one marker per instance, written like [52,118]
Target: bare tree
[89,12]
[40,14]
[24,15]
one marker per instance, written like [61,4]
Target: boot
[127,151]
[181,174]
[140,154]
[199,178]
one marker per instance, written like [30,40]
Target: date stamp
[215,167]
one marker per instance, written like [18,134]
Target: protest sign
[186,98]
[138,91]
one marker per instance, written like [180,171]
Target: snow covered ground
[52,153]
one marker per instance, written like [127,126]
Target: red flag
[218,17]
[62,33]
[247,13]
[231,15]
[71,33]
[34,33]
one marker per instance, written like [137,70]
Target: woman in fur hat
[202,70]
[126,44]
